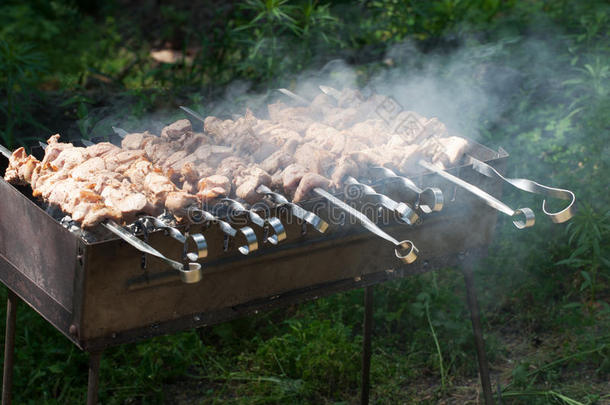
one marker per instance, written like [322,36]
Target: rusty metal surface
[35,243]
[98,294]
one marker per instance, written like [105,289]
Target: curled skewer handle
[535,188]
[312,219]
[195,245]
[251,243]
[404,250]
[250,238]
[156,223]
[404,212]
[190,273]
[428,200]
[248,234]
[279,233]
[522,218]
[238,208]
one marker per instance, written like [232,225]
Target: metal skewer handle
[247,233]
[522,217]
[405,213]
[195,245]
[533,187]
[405,250]
[318,223]
[428,200]
[273,223]
[190,273]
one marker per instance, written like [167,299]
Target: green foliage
[20,66]
[320,354]
[270,30]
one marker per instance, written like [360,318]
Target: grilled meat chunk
[137,140]
[176,129]
[248,181]
[308,183]
[20,168]
[213,186]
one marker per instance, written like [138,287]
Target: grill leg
[94,377]
[366,344]
[475,317]
[9,346]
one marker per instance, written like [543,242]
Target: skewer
[195,245]
[247,233]
[330,91]
[318,223]
[405,213]
[527,214]
[309,217]
[250,237]
[192,113]
[532,187]
[405,250]
[428,200]
[408,257]
[7,153]
[120,132]
[189,273]
[279,233]
[294,96]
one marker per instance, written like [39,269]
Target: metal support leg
[366,344]
[9,347]
[475,317]
[94,377]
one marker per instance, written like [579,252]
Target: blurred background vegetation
[66,64]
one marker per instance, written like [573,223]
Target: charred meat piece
[176,129]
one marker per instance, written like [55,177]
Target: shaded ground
[517,346]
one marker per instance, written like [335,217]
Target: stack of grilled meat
[292,151]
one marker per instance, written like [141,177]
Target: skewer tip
[192,113]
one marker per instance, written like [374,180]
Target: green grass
[544,292]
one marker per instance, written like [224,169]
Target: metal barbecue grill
[103,290]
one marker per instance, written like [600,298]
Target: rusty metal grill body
[98,294]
